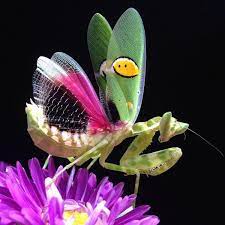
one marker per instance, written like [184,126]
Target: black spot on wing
[112,112]
[60,107]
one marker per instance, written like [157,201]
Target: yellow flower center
[77,218]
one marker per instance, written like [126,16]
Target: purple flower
[3,166]
[72,199]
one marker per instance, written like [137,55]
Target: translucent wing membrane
[63,91]
[76,75]
[59,106]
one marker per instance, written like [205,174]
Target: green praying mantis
[67,119]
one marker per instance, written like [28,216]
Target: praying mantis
[67,119]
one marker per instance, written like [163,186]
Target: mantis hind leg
[94,159]
[85,157]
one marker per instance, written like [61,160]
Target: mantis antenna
[209,143]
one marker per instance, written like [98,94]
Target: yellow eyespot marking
[130,105]
[125,67]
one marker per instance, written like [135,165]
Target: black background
[185,75]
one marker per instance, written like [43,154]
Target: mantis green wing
[98,36]
[118,59]
[125,66]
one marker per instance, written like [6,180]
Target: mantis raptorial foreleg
[152,163]
[145,132]
[132,162]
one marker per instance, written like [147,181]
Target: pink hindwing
[64,92]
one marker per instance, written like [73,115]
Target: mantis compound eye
[125,67]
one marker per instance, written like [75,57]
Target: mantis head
[170,127]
